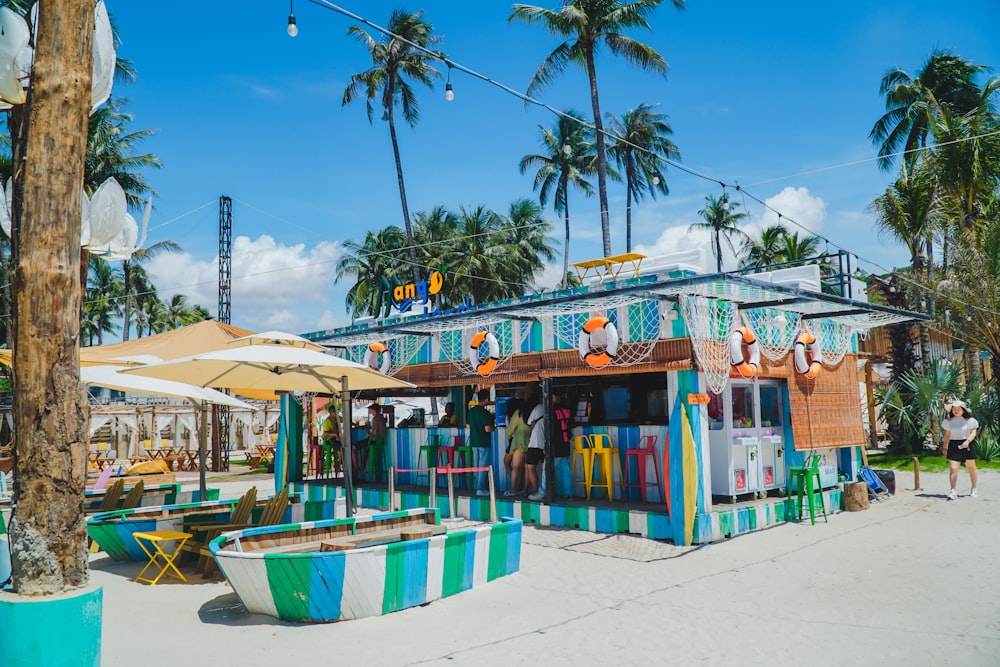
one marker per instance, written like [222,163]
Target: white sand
[913,580]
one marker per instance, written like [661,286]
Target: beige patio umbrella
[279,362]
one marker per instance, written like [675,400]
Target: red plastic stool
[646,448]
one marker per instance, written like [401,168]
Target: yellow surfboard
[690,466]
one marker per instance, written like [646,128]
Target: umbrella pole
[347,445]
[202,450]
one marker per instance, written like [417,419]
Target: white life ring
[587,353]
[811,367]
[372,357]
[484,365]
[747,364]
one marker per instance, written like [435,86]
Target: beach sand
[913,580]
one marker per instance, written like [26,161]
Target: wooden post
[392,489]
[916,474]
[870,395]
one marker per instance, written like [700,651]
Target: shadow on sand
[228,610]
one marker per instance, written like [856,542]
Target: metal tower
[220,414]
[225,258]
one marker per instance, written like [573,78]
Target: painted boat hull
[155,495]
[114,531]
[321,587]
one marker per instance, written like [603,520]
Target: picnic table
[98,461]
[261,455]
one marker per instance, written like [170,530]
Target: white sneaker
[973,494]
[511,494]
[952,495]
[536,496]
[482,492]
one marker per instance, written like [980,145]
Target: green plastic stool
[429,452]
[376,448]
[806,481]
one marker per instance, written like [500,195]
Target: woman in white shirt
[959,432]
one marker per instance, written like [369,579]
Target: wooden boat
[345,569]
[114,531]
[154,495]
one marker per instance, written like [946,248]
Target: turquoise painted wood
[52,631]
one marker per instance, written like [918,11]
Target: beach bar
[714,385]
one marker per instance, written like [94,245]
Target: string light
[293,29]
[449,93]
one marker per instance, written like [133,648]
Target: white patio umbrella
[279,362]
[278,367]
[108,376]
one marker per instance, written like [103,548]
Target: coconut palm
[585,26]
[395,60]
[722,219]
[371,263]
[154,315]
[522,239]
[764,250]
[140,256]
[638,146]
[110,153]
[480,271]
[946,81]
[796,249]
[104,292]
[568,158]
[180,313]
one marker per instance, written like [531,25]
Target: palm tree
[586,25]
[567,160]
[154,315]
[140,256]
[722,218]
[795,249]
[639,146]
[480,272]
[180,313]
[946,81]
[371,262]
[110,147]
[907,213]
[438,246]
[104,292]
[393,61]
[523,241]
[764,250]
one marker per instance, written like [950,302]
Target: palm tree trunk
[402,198]
[602,157]
[925,335]
[565,271]
[127,314]
[718,252]
[48,534]
[628,216]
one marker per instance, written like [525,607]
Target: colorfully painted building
[728,379]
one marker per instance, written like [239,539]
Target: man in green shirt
[481,425]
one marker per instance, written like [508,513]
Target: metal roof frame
[738,289]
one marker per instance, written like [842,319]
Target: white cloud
[274,286]
[327,320]
[794,203]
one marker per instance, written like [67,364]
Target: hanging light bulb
[567,150]
[780,320]
[449,93]
[725,203]
[293,29]
[656,180]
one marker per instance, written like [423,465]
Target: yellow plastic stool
[604,455]
[583,448]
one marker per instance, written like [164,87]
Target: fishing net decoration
[775,330]
[636,319]
[834,339]
[709,322]
[402,350]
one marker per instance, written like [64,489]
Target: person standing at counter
[562,433]
[535,457]
[377,430]
[481,425]
[449,419]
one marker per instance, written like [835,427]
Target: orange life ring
[476,357]
[747,364]
[811,367]
[372,357]
[587,353]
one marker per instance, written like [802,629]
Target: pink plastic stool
[646,448]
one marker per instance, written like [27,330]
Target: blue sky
[758,93]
